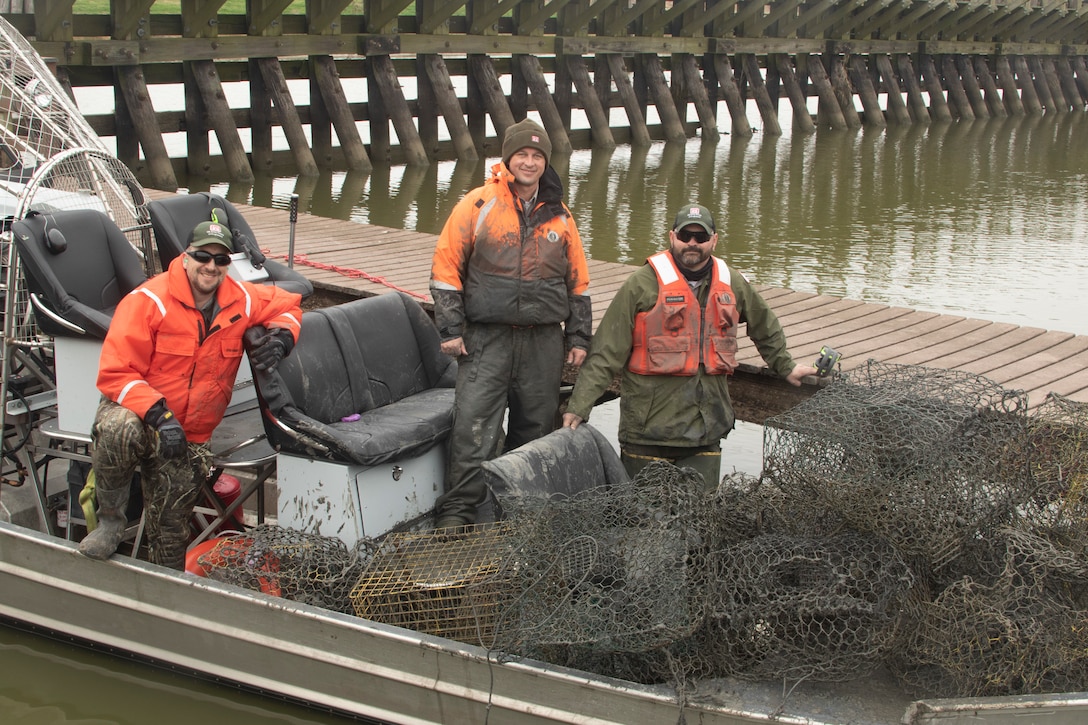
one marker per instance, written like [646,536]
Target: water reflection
[48,682]
[984,218]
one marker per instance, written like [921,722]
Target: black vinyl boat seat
[560,464]
[173,220]
[367,383]
[78,265]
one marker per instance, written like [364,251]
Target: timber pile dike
[909,521]
[909,61]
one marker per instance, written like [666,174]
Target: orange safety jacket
[157,346]
[676,335]
[507,265]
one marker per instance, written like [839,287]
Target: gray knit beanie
[527,133]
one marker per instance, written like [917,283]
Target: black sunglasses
[221,260]
[686,235]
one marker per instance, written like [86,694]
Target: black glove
[270,348]
[172,442]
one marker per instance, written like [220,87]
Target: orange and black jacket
[498,263]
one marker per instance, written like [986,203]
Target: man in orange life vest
[672,330]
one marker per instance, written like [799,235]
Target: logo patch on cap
[693,211]
[536,139]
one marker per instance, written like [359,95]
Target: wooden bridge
[360,259]
[866,61]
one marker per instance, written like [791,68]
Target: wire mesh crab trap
[925,459]
[447,585]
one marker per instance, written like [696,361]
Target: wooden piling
[817,73]
[1007,80]
[1081,71]
[897,107]
[446,99]
[966,72]
[696,88]
[802,119]
[1042,88]
[142,112]
[385,75]
[591,103]
[1068,83]
[840,81]
[640,134]
[916,104]
[989,88]
[215,102]
[802,48]
[938,104]
[759,91]
[1061,103]
[545,104]
[487,80]
[662,98]
[958,102]
[288,116]
[332,95]
[1028,95]
[863,82]
[733,100]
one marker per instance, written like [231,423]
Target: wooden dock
[362,259]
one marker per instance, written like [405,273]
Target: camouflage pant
[120,443]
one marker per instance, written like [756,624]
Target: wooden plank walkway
[362,259]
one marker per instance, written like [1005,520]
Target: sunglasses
[202,257]
[687,235]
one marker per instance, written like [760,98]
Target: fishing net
[303,567]
[924,459]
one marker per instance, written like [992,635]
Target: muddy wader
[120,443]
[519,367]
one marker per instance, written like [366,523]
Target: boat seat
[562,463]
[366,383]
[173,220]
[78,265]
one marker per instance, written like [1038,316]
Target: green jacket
[670,410]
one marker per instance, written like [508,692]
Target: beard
[692,257]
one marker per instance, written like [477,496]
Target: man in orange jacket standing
[166,373]
[509,282]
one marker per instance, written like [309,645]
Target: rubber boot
[112,522]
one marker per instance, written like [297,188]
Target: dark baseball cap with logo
[694,214]
[207,233]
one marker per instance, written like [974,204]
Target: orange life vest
[677,335]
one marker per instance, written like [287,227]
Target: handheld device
[829,358]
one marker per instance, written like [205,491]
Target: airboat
[554,610]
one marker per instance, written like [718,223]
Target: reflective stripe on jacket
[512,266]
[677,335]
[157,347]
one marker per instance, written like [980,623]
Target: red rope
[348,272]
